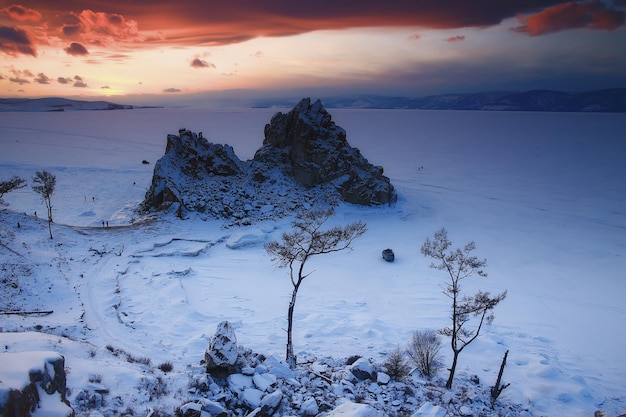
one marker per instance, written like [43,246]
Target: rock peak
[319,153]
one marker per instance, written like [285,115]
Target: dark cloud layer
[198,22]
[15,41]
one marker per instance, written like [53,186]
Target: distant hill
[56,104]
[610,101]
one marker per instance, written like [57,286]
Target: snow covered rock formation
[305,160]
[317,152]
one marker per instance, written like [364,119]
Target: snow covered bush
[424,351]
[396,365]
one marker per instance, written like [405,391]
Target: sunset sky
[142,50]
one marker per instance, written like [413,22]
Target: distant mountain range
[56,104]
[610,100]
[607,101]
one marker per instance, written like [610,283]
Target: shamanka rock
[305,161]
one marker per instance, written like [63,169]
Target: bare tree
[43,184]
[10,185]
[305,241]
[460,264]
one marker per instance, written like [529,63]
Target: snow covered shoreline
[542,196]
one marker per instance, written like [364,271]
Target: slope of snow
[543,196]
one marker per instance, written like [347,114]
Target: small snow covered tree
[460,264]
[305,241]
[396,365]
[10,185]
[43,184]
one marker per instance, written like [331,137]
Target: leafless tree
[460,264]
[305,241]
[10,185]
[43,184]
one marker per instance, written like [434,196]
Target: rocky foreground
[305,160]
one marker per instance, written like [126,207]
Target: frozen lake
[542,194]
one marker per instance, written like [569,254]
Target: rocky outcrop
[222,353]
[26,377]
[189,159]
[305,161]
[317,152]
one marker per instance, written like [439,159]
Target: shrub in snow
[424,351]
[166,366]
[396,365]
[14,183]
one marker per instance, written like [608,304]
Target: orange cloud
[98,28]
[198,22]
[21,13]
[592,15]
[15,41]
[457,38]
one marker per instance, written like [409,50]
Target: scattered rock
[350,409]
[271,402]
[382,378]
[362,369]
[388,255]
[260,386]
[26,377]
[222,353]
[214,408]
[430,410]
[309,407]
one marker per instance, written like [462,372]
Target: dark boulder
[27,376]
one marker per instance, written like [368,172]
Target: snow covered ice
[543,195]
